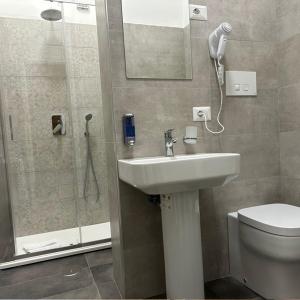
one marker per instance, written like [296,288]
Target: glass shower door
[82,56]
[53,125]
[41,165]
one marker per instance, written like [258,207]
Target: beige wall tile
[289,154]
[290,190]
[289,108]
[289,72]
[79,36]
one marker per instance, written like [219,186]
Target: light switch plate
[198,12]
[240,83]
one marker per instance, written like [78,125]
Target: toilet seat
[278,219]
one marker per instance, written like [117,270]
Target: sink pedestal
[182,245]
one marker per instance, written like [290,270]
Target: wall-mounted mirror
[157,39]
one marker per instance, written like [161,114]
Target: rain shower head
[88,117]
[51,15]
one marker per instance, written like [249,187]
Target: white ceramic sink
[178,179]
[162,175]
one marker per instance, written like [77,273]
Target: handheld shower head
[88,117]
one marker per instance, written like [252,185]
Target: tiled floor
[225,288]
[228,288]
[89,276]
[86,276]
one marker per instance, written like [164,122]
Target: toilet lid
[280,219]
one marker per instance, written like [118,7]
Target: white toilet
[264,249]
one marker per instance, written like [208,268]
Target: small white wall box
[198,12]
[240,83]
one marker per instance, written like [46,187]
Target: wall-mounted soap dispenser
[129,129]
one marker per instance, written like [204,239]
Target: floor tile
[163,296]
[103,273]
[58,266]
[108,290]
[98,258]
[90,292]
[47,286]
[103,276]
[228,288]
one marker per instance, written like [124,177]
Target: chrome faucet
[169,142]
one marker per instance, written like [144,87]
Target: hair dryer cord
[221,106]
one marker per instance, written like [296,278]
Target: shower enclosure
[50,85]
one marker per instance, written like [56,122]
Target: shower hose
[89,166]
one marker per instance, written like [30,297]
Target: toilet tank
[234,246]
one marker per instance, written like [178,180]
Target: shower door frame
[6,218]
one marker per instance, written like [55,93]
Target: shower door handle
[11,129]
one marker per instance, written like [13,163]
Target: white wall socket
[198,111]
[198,12]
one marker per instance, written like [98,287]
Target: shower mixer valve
[58,124]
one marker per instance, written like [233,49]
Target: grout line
[87,261]
[114,281]
[95,281]
[90,268]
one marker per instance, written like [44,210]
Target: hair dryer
[217,41]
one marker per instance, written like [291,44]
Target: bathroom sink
[163,175]
[177,180]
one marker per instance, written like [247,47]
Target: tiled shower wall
[289,99]
[251,129]
[48,68]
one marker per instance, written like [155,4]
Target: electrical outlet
[198,113]
[198,12]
